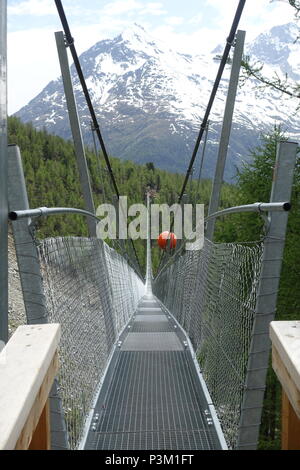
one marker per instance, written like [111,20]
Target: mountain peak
[137,35]
[286,33]
[151,99]
[276,48]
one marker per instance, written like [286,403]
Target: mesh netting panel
[92,292]
[212,293]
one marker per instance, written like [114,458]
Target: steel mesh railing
[92,292]
[212,293]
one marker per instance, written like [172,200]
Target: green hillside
[52,180]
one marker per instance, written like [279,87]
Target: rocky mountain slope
[150,100]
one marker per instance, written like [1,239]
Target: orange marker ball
[167,239]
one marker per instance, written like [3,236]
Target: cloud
[155,9]
[257,16]
[29,65]
[30,68]
[197,19]
[174,20]
[32,7]
[128,7]
[120,7]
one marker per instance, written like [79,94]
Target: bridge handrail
[44,211]
[256,207]
[259,207]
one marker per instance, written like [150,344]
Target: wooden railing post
[28,366]
[41,439]
[290,426]
[285,337]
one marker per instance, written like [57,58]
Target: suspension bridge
[175,361]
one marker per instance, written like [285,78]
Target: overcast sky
[192,26]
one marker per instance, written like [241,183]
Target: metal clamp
[231,44]
[68,41]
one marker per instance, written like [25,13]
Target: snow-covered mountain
[150,100]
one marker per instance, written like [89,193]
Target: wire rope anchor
[32,229]
[231,43]
[68,41]
[266,217]
[94,126]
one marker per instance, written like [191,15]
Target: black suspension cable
[98,161]
[228,46]
[70,44]
[203,127]
[202,160]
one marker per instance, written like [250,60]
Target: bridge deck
[152,398]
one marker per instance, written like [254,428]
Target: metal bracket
[233,43]
[266,218]
[32,229]
[68,43]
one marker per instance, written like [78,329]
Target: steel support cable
[70,44]
[97,155]
[202,160]
[228,46]
[229,43]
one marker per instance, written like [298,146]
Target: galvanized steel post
[148,249]
[3,176]
[76,131]
[266,299]
[31,280]
[225,133]
[27,256]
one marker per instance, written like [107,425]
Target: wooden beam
[28,365]
[36,431]
[285,338]
[286,381]
[41,439]
[290,434]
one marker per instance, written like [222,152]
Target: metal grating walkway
[152,398]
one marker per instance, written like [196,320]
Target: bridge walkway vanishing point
[153,396]
[114,330]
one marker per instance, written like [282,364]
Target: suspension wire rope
[116,243]
[70,44]
[202,160]
[229,44]
[98,161]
